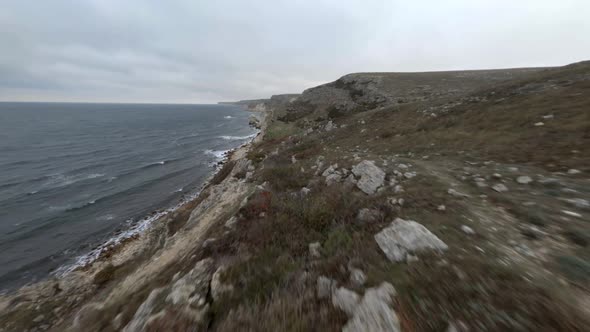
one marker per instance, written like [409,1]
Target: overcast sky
[200,51]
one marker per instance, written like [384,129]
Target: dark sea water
[74,175]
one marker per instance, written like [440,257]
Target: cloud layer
[206,51]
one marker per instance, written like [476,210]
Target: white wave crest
[238,138]
[218,154]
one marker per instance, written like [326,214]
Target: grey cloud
[205,51]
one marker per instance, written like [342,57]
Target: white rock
[524,179]
[194,285]
[139,320]
[456,193]
[374,312]
[346,300]
[330,125]
[333,178]
[304,191]
[371,176]
[368,216]
[500,187]
[398,189]
[293,160]
[572,214]
[315,250]
[357,277]
[231,222]
[548,116]
[467,230]
[330,170]
[497,176]
[441,208]
[578,202]
[539,124]
[406,236]
[409,175]
[218,288]
[325,287]
[573,171]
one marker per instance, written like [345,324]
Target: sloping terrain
[448,201]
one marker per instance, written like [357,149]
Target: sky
[198,51]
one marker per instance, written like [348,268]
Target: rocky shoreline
[50,300]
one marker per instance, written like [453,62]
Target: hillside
[443,201]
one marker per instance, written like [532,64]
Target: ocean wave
[62,180]
[135,228]
[106,217]
[238,138]
[218,154]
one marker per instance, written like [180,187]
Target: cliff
[454,201]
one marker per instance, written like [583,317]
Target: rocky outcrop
[188,294]
[218,287]
[374,312]
[370,176]
[404,237]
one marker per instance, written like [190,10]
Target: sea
[76,177]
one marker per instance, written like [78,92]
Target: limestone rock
[346,300]
[368,216]
[357,277]
[371,176]
[218,288]
[325,287]
[467,230]
[315,250]
[374,312]
[304,191]
[231,222]
[144,311]
[333,178]
[456,193]
[193,287]
[403,237]
[524,179]
[500,187]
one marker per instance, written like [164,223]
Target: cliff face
[381,201]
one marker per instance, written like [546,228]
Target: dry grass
[285,311]
[484,295]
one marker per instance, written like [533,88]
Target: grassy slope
[489,119]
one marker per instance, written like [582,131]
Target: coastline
[155,235]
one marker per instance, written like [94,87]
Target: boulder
[500,187]
[231,222]
[345,300]
[325,287]
[333,178]
[374,312]
[370,176]
[467,230]
[456,193]
[368,216]
[524,179]
[218,288]
[357,277]
[404,237]
[144,312]
[193,287]
[315,250]
[304,191]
